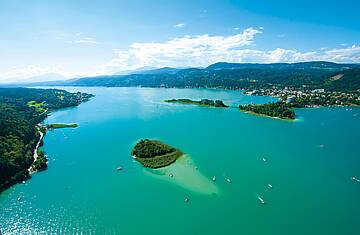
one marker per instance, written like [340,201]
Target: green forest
[203,102]
[312,75]
[21,109]
[276,109]
[155,154]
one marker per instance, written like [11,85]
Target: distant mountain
[301,65]
[318,74]
[138,70]
[46,77]
[165,70]
[40,78]
[149,70]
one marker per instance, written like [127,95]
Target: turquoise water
[310,163]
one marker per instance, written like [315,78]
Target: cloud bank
[202,50]
[198,50]
[194,51]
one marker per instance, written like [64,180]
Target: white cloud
[82,40]
[202,50]
[86,40]
[348,54]
[27,73]
[236,28]
[193,51]
[180,25]
[185,51]
[16,74]
[281,35]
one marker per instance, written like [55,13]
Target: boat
[355,179]
[214,178]
[270,186]
[261,200]
[119,168]
[186,199]
[264,159]
[228,180]
[23,182]
[171,175]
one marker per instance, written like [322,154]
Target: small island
[61,125]
[203,102]
[155,154]
[277,110]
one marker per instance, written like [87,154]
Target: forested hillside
[238,76]
[21,109]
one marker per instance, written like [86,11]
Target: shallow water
[310,165]
[187,175]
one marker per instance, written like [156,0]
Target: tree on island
[155,154]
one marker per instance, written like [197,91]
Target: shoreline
[35,155]
[263,115]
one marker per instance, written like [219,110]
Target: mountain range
[315,74]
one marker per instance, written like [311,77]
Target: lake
[310,163]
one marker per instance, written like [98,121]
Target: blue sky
[87,38]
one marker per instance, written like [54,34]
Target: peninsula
[155,154]
[203,102]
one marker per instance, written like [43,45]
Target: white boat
[23,182]
[355,179]
[228,180]
[119,168]
[186,199]
[171,175]
[270,186]
[264,159]
[261,200]
[214,178]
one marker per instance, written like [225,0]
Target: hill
[237,76]
[21,109]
